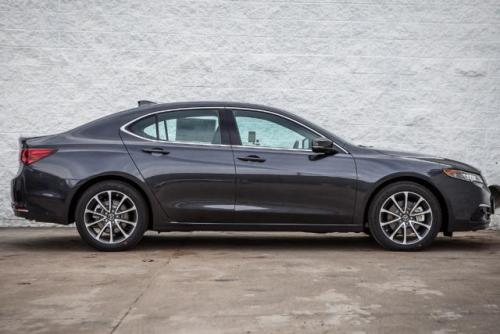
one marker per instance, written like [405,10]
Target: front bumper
[470,205]
[480,219]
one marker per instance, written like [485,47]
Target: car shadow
[248,242]
[337,242]
[330,242]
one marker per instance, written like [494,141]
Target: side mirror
[323,145]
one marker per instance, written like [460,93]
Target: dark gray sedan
[224,166]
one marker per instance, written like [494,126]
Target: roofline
[190,104]
[152,108]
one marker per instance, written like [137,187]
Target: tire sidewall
[142,212]
[380,198]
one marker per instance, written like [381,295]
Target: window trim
[287,118]
[155,113]
[222,108]
[269,147]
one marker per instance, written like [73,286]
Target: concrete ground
[50,282]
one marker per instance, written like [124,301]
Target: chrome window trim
[124,129]
[292,120]
[297,150]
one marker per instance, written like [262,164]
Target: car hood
[430,158]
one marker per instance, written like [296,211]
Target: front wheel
[405,216]
[111,216]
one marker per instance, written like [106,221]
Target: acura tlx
[222,166]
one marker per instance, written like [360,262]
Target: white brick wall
[419,75]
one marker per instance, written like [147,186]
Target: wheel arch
[409,178]
[83,186]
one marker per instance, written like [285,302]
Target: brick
[412,75]
[28,38]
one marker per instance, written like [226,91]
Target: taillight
[31,155]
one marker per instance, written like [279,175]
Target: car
[222,166]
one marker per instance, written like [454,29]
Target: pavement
[51,282]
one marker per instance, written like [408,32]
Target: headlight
[460,174]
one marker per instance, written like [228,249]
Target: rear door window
[184,126]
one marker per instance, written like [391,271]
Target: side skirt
[315,228]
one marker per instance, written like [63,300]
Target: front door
[186,160]
[280,180]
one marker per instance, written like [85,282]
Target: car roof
[151,107]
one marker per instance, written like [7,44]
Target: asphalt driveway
[51,282]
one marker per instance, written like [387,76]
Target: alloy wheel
[405,218]
[110,217]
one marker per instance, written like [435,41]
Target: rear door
[280,180]
[186,159]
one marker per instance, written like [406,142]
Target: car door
[186,159]
[280,180]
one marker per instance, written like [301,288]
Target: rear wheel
[405,216]
[111,216]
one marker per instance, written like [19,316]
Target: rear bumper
[40,200]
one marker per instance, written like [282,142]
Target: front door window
[267,130]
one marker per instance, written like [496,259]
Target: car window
[145,127]
[192,126]
[268,130]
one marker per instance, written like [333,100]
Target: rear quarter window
[145,127]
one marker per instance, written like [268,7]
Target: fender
[365,195]
[158,216]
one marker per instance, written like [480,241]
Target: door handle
[155,150]
[254,158]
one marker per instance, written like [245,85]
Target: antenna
[141,103]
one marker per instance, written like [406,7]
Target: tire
[118,229]
[404,227]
